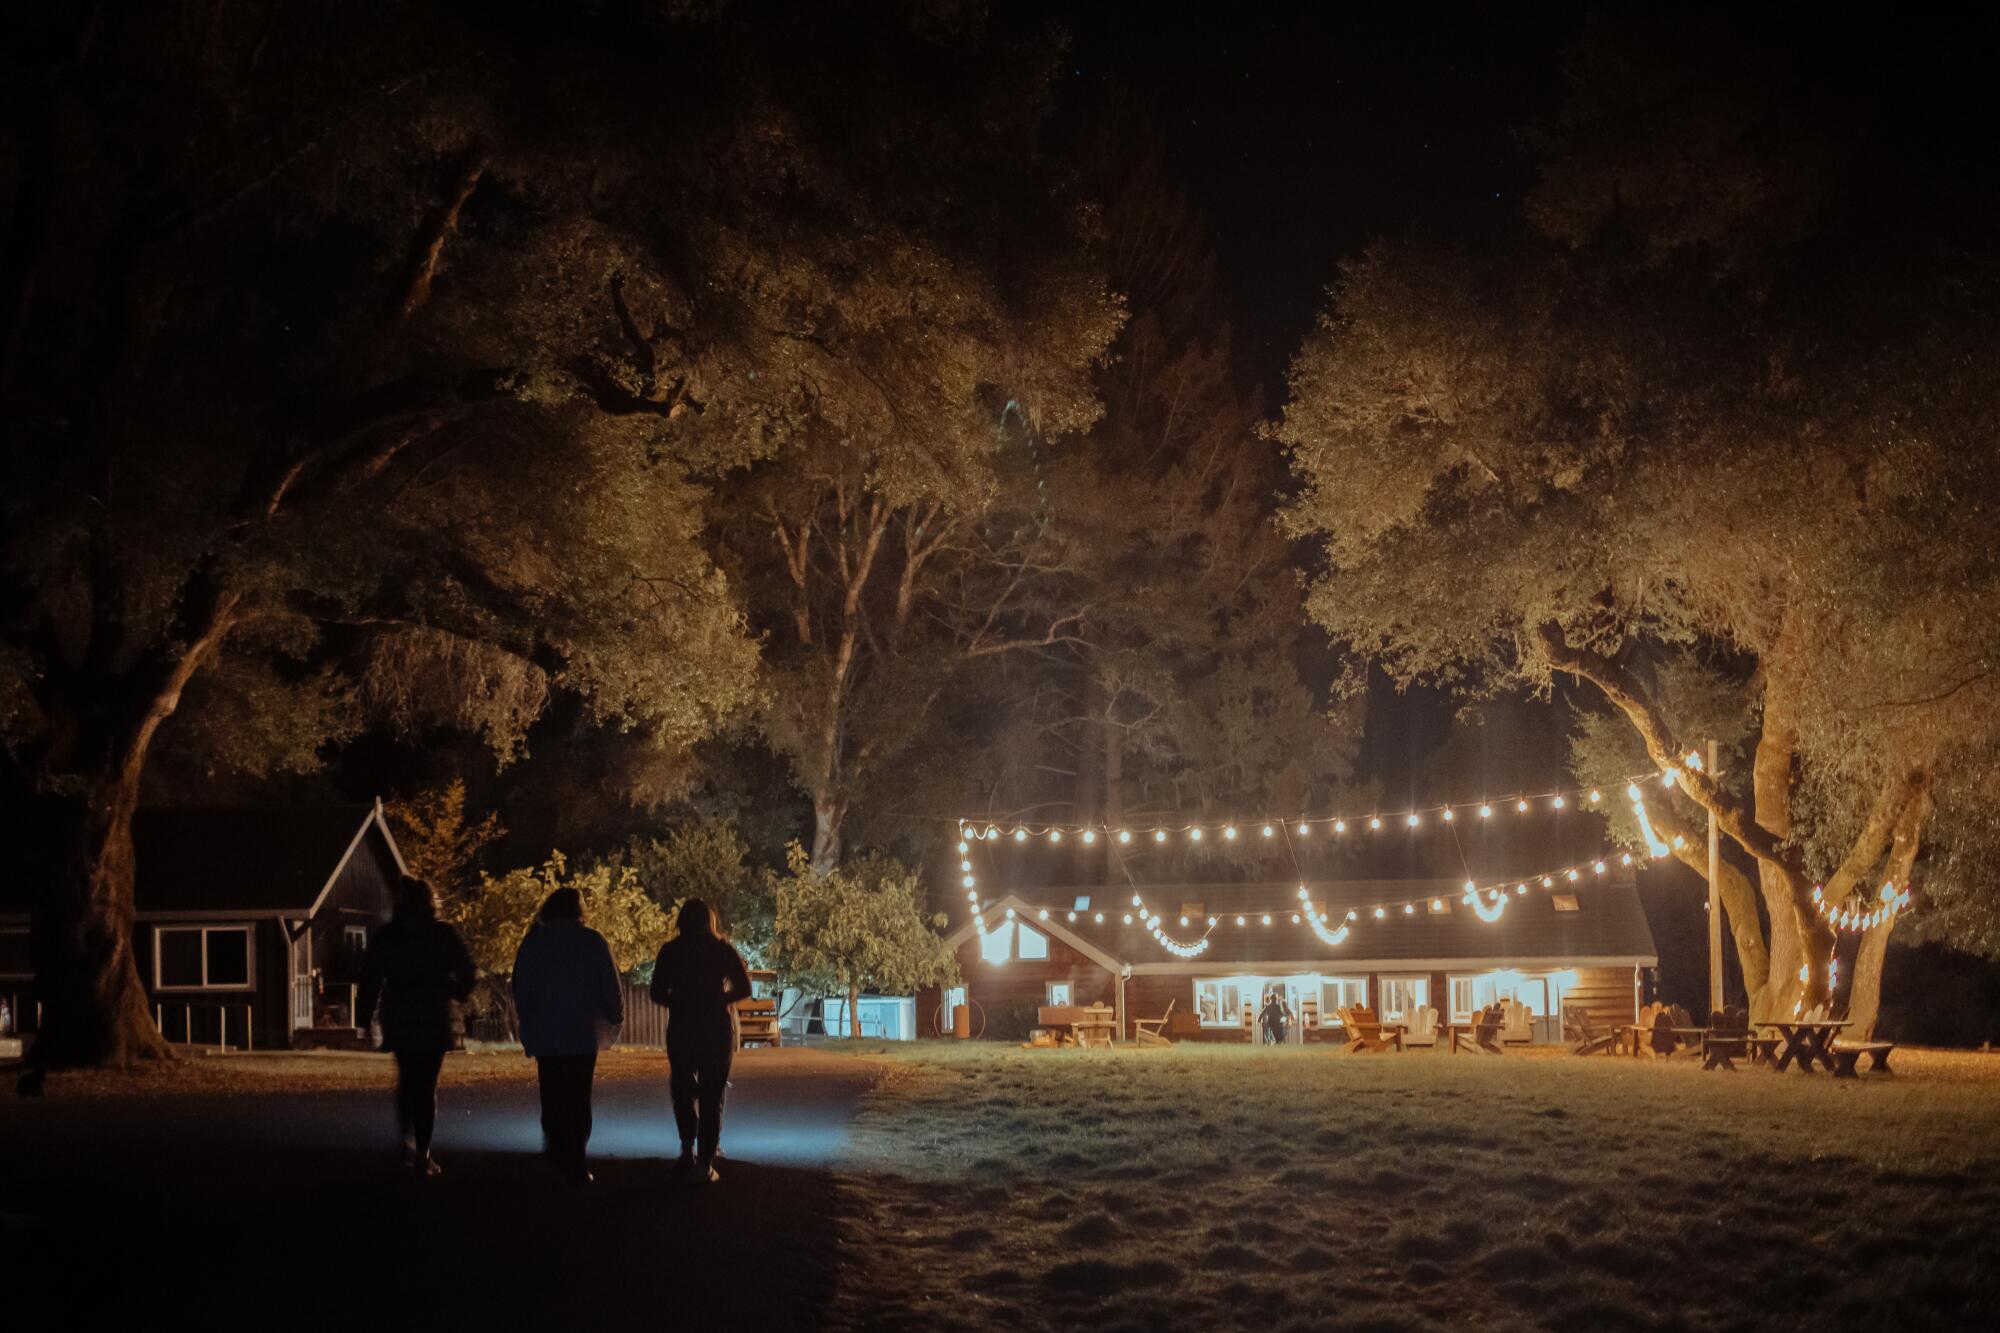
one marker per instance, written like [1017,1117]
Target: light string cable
[1151,919]
[1313,917]
[1272,826]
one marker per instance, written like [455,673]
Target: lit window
[356,938]
[1470,994]
[1033,944]
[1402,996]
[1564,902]
[997,945]
[1082,903]
[1337,993]
[1059,992]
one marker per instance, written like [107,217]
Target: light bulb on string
[1409,909]
[1124,835]
[1486,812]
[1302,828]
[1447,815]
[1159,835]
[1522,806]
[1340,826]
[1559,802]
[1239,920]
[1089,836]
[1374,822]
[1379,914]
[1230,832]
[1268,830]
[1043,914]
[1413,821]
[1194,834]
[1595,796]
[1055,835]
[1020,835]
[1267,918]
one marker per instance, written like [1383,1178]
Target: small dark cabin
[251,922]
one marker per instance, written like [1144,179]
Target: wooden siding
[1608,994]
[1018,983]
[360,896]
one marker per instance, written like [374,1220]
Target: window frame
[1420,980]
[1329,1011]
[1565,902]
[1067,998]
[249,933]
[348,938]
[996,954]
[1022,932]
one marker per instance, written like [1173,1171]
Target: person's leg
[714,1083]
[681,1084]
[548,1081]
[584,1075]
[422,1075]
[406,1133]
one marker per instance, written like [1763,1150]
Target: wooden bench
[757,1023]
[1846,1054]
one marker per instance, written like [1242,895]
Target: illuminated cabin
[252,921]
[1577,946]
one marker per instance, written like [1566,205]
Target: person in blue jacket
[571,1004]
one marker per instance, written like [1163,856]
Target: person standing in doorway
[699,978]
[571,1004]
[415,975]
[1272,1017]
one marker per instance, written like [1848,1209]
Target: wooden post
[1714,900]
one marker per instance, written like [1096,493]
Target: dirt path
[282,1209]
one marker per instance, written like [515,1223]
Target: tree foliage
[1653,446]
[860,927]
[440,845]
[495,914]
[706,860]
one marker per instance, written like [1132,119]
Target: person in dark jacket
[571,1005]
[699,978]
[1274,1017]
[416,973]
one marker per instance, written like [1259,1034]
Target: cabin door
[302,979]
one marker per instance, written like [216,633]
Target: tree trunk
[827,813]
[1864,996]
[94,1008]
[853,1009]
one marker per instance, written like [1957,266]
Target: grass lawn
[1278,1189]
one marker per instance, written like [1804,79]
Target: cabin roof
[1609,925]
[262,860]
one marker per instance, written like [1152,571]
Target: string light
[1159,835]
[1194,834]
[1124,835]
[1413,817]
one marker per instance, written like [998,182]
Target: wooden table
[1807,1042]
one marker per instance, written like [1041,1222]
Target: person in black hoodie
[416,973]
[699,978]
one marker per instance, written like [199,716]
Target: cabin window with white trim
[997,944]
[1012,940]
[1221,1002]
[1059,993]
[1337,993]
[356,938]
[1403,996]
[201,958]
[1469,994]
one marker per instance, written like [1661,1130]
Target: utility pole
[1714,898]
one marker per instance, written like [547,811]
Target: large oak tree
[1715,434]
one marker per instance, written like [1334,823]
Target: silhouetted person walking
[571,1005]
[418,970]
[700,978]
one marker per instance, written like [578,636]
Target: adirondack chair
[1153,1031]
[1727,1038]
[1365,1032]
[1585,1036]
[1517,1023]
[1661,1041]
[1482,1035]
[1423,1027]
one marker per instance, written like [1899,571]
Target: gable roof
[257,860]
[1608,928]
[996,912]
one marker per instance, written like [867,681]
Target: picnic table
[1807,1041]
[1091,1025]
